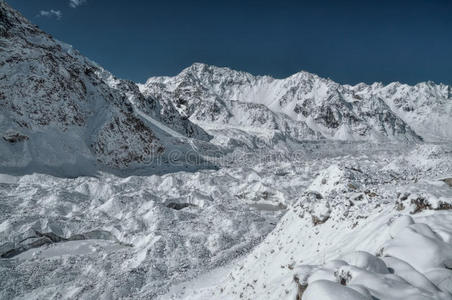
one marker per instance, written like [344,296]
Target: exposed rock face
[71,111]
[163,111]
[426,106]
[306,106]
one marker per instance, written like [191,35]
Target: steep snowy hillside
[367,228]
[62,113]
[308,107]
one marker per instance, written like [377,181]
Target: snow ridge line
[165,128]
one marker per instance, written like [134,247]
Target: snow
[64,115]
[166,244]
[324,289]
[69,248]
[305,106]
[352,243]
[366,261]
[145,248]
[217,184]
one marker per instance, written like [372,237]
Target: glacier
[215,183]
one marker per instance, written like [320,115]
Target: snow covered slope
[64,114]
[367,228]
[426,107]
[305,106]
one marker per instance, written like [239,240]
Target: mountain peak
[63,110]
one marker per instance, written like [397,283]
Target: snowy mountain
[426,107]
[305,106]
[324,191]
[62,112]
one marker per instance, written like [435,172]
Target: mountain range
[61,111]
[305,106]
[215,183]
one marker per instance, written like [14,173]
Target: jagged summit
[200,67]
[326,109]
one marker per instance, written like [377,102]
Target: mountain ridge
[198,64]
[64,114]
[309,98]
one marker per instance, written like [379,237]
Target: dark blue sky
[348,41]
